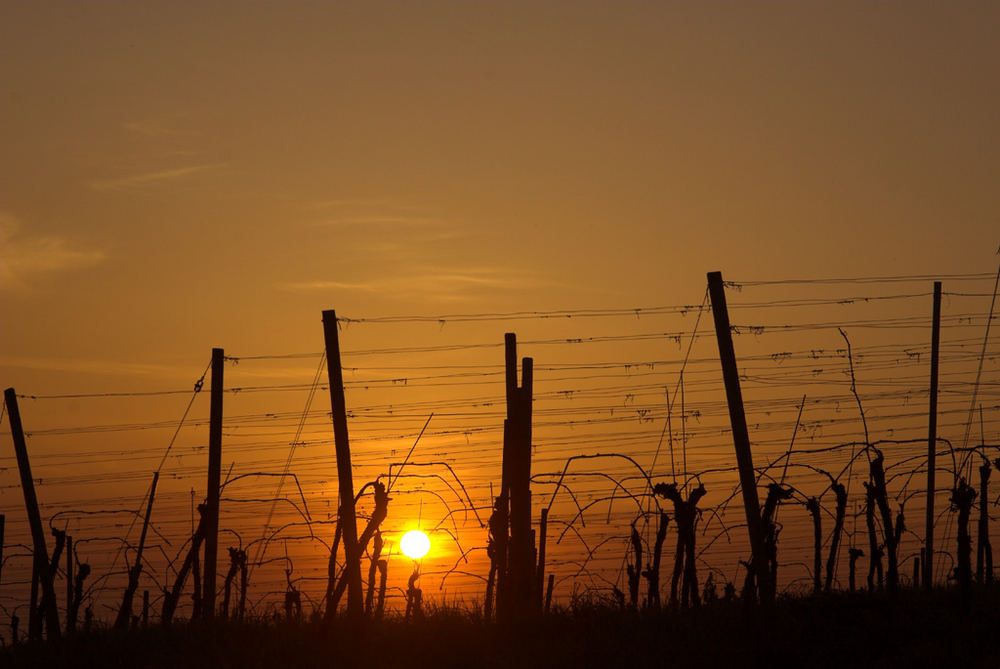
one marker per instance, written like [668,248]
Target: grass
[917,629]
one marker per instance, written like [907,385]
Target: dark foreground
[915,631]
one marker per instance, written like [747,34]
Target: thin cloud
[381,220]
[154,177]
[361,205]
[448,284]
[312,286]
[26,258]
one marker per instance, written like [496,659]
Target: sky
[178,176]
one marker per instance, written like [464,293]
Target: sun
[415,544]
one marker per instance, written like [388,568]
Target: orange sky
[177,176]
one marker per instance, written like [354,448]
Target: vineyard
[829,437]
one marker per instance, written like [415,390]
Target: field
[916,629]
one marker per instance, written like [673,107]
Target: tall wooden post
[741,437]
[41,552]
[338,405]
[928,563]
[522,546]
[516,582]
[214,473]
[507,556]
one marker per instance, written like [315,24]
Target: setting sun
[415,544]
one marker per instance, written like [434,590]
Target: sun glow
[415,544]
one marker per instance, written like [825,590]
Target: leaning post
[41,551]
[741,437]
[338,404]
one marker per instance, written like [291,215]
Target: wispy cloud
[310,286]
[25,257]
[382,220]
[435,283]
[154,177]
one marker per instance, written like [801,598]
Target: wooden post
[507,557]
[928,563]
[338,405]
[516,579]
[212,488]
[521,545]
[741,437]
[41,552]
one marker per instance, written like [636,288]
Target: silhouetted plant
[60,538]
[685,516]
[196,590]
[494,542]
[381,510]
[853,555]
[812,505]
[838,525]
[237,559]
[775,494]
[376,554]
[82,572]
[172,597]
[962,497]
[708,593]
[984,550]
[635,568]
[414,595]
[383,570]
[749,591]
[652,574]
[874,550]
[293,599]
[890,536]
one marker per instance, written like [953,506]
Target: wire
[903,278]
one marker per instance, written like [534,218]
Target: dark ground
[917,630]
